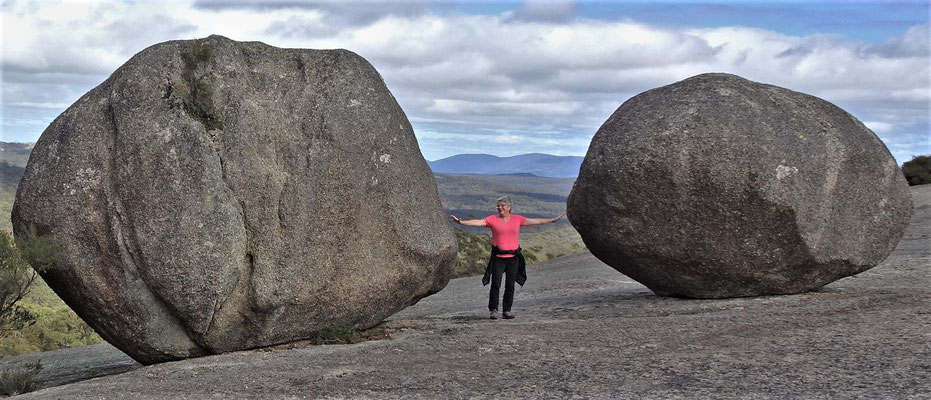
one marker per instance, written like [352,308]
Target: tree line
[917,171]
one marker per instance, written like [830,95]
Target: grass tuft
[19,380]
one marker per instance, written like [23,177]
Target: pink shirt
[505,236]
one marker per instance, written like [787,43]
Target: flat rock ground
[586,331]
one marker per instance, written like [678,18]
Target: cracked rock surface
[215,195]
[717,186]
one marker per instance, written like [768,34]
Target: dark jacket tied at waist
[521,265]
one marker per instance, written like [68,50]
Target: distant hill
[13,157]
[534,163]
[473,196]
[15,154]
[9,179]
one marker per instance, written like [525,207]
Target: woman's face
[503,208]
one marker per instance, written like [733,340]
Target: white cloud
[916,42]
[536,74]
[81,37]
[545,10]
[54,106]
[507,139]
[879,127]
[25,121]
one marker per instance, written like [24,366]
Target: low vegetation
[19,262]
[918,170]
[346,335]
[32,317]
[473,253]
[537,246]
[55,326]
[336,335]
[9,178]
[198,85]
[19,380]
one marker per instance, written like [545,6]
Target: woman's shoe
[508,315]
[494,314]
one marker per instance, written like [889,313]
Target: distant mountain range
[15,154]
[534,163]
[13,157]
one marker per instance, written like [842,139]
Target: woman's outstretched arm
[541,221]
[469,222]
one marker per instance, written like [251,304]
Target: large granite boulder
[717,186]
[214,195]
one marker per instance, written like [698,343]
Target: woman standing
[506,257]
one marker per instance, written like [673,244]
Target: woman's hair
[505,200]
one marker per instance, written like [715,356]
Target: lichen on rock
[197,84]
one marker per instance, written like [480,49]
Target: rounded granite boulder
[215,195]
[717,186]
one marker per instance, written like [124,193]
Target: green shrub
[15,343]
[19,380]
[199,84]
[10,176]
[474,250]
[20,260]
[917,170]
[551,241]
[32,318]
[55,325]
[337,335]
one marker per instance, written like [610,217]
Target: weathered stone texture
[717,186]
[214,195]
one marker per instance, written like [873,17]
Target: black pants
[508,267]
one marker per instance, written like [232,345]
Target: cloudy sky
[505,77]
